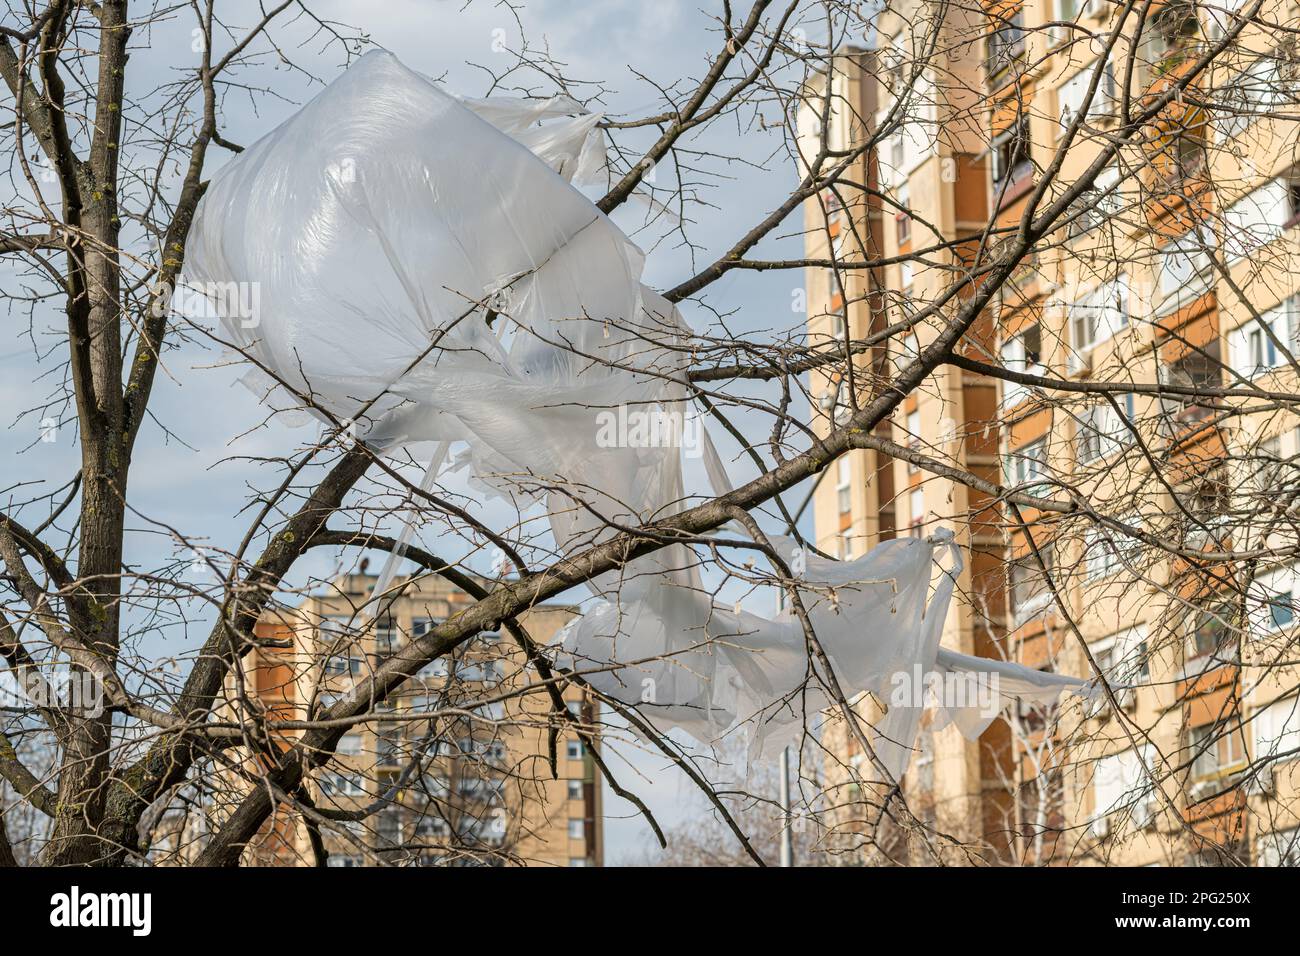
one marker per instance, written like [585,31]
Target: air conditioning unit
[1078,363]
[1096,9]
[1126,697]
[1100,826]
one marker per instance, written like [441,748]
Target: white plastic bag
[388,227]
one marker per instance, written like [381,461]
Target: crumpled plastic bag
[426,270]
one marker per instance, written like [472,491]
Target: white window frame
[1025,468]
[1071,93]
[338,783]
[1203,743]
[1275,729]
[1122,659]
[916,509]
[1278,848]
[1186,269]
[421,625]
[1020,613]
[1119,782]
[1256,219]
[1251,92]
[1252,352]
[1100,432]
[1099,315]
[913,438]
[1015,358]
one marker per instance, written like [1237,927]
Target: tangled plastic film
[382,223]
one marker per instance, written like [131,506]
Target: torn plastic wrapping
[388,226]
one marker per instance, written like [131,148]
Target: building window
[1025,468]
[1123,658]
[1276,730]
[436,668]
[1268,341]
[386,639]
[421,626]
[903,214]
[344,664]
[1006,41]
[336,784]
[1215,749]
[1278,848]
[1261,351]
[1100,555]
[1199,369]
[573,749]
[350,745]
[834,208]
[1256,91]
[432,826]
[1099,315]
[840,408]
[1173,24]
[1119,783]
[1028,588]
[343,860]
[1269,471]
[843,484]
[1102,429]
[1011,159]
[1186,265]
[480,671]
[577,829]
[1260,217]
[1072,93]
[913,438]
[846,544]
[1095,207]
[575,789]
[1023,353]
[1281,610]
[1211,633]
[916,512]
[1106,551]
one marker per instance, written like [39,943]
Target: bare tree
[107,175]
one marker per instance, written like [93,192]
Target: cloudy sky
[197,473]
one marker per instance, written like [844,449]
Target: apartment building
[933,172]
[1178,268]
[457,766]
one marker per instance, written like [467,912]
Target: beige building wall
[1052,788]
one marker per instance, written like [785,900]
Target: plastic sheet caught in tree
[426,269]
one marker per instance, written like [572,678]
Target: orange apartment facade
[1128,292]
